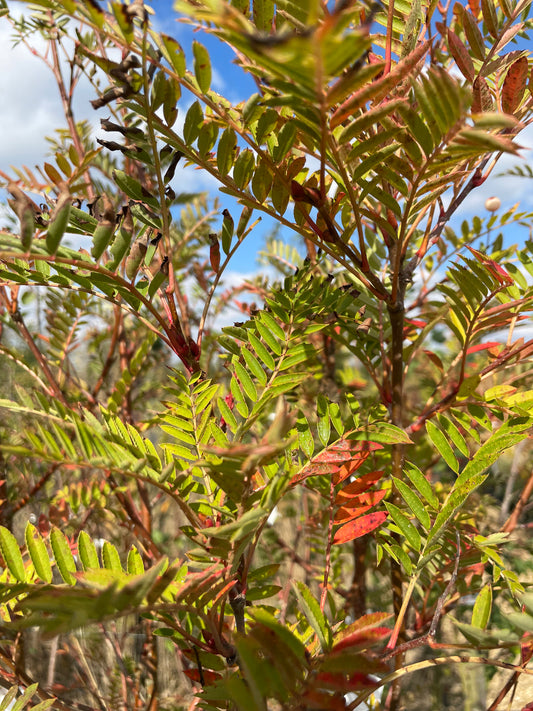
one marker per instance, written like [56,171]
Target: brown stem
[66,100]
[512,521]
[356,597]
[26,335]
[396,316]
[117,324]
[327,566]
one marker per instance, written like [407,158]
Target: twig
[451,584]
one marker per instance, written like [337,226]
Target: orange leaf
[359,505]
[482,99]
[345,471]
[345,514]
[363,483]
[514,85]
[362,639]
[365,622]
[359,527]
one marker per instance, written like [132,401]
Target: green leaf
[442,445]
[227,414]
[11,554]
[25,698]
[111,558]
[243,169]
[38,553]
[263,14]
[194,119]
[454,501]
[226,149]
[508,435]
[314,615]
[133,189]
[406,527]
[305,436]
[87,552]
[261,182]
[202,66]
[323,421]
[382,432]
[254,366]
[285,140]
[9,698]
[414,503]
[173,53]
[261,352]
[135,564]
[268,337]
[454,434]
[482,607]
[245,381]
[521,621]
[63,556]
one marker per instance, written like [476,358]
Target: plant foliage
[291,503]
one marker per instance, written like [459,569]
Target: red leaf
[359,505]
[462,58]
[206,677]
[434,358]
[364,452]
[345,514]
[341,451]
[482,347]
[482,97]
[365,622]
[348,453]
[514,85]
[359,527]
[344,682]
[314,699]
[416,322]
[362,639]
[356,487]
[493,267]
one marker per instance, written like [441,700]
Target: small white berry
[493,203]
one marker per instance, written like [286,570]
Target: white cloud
[30,103]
